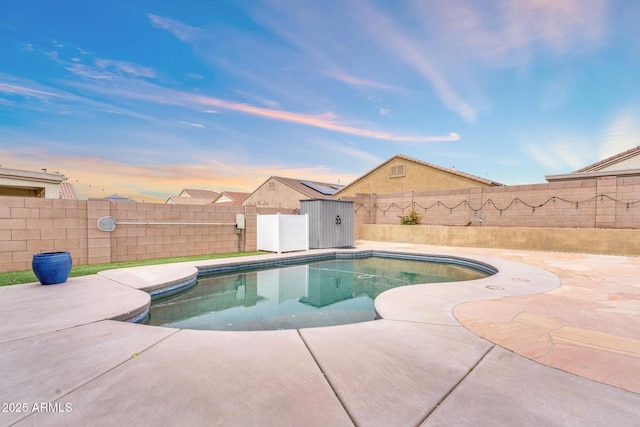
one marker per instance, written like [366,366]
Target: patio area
[552,339]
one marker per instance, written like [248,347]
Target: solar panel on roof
[322,189]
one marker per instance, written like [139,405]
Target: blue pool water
[321,293]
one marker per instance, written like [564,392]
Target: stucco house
[280,192]
[21,183]
[626,163]
[190,196]
[402,173]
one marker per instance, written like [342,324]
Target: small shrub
[412,218]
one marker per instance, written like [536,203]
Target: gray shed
[330,222]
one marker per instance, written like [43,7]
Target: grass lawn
[16,277]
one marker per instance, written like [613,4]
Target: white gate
[283,233]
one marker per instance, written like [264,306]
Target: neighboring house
[190,196]
[118,198]
[401,173]
[280,192]
[21,183]
[231,198]
[626,163]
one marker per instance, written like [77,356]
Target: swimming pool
[302,293]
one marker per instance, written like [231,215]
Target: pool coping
[33,317]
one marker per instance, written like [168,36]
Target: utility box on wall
[330,222]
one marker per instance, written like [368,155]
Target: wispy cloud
[416,54]
[126,68]
[361,82]
[324,121]
[562,155]
[103,69]
[347,150]
[193,125]
[179,29]
[565,152]
[622,133]
[328,120]
[15,89]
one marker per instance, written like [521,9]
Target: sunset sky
[146,97]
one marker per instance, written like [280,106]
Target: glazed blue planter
[52,268]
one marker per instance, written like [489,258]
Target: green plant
[412,218]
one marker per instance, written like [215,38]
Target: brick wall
[607,202]
[33,225]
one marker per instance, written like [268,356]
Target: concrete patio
[553,339]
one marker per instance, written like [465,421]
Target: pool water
[322,293]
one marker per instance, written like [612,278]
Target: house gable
[626,160]
[231,198]
[280,192]
[626,163]
[198,194]
[401,173]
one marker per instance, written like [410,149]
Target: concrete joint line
[335,393]
[455,386]
[102,374]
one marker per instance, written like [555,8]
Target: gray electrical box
[330,223]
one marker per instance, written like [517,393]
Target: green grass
[17,277]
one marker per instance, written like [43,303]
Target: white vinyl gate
[283,233]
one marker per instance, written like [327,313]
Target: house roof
[48,177]
[188,200]
[231,198]
[609,161]
[198,194]
[431,165]
[306,187]
[118,198]
[67,191]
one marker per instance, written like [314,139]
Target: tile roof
[67,191]
[199,194]
[188,200]
[236,197]
[610,160]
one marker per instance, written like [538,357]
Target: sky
[144,98]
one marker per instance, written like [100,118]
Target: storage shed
[330,222]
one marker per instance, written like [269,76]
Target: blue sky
[145,98]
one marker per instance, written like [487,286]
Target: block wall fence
[608,202]
[32,225]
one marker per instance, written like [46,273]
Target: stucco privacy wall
[607,202]
[583,240]
[32,225]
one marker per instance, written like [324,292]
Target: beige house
[402,173]
[190,196]
[280,192]
[626,163]
[20,183]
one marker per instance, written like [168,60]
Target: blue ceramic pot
[52,268]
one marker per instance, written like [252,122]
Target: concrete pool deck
[552,339]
